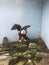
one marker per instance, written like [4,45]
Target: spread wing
[25,27]
[16,26]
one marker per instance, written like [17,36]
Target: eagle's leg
[25,37]
[19,36]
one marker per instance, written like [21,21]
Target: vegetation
[22,54]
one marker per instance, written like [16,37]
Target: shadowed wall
[45,22]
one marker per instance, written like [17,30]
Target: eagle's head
[23,32]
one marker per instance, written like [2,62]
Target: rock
[4,59]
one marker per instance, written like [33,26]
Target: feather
[16,26]
[25,27]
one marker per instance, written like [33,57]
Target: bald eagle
[22,31]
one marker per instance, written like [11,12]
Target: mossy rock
[1,49]
[20,63]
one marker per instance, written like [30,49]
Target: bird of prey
[22,31]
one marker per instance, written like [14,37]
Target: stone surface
[4,59]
